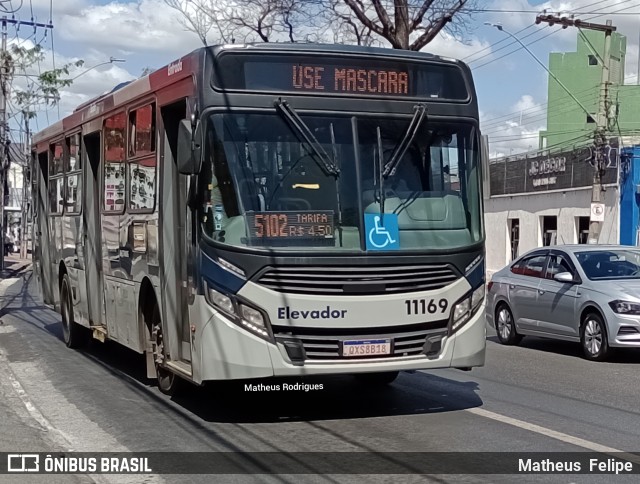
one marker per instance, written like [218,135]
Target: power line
[499,120]
[524,29]
[541,38]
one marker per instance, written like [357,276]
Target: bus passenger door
[173,225]
[42,239]
[92,230]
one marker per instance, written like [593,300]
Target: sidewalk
[22,427]
[14,266]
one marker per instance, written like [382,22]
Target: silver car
[584,293]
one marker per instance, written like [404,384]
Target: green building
[581,73]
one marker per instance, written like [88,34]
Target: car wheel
[593,336]
[505,326]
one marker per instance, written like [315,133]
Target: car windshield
[263,184]
[610,264]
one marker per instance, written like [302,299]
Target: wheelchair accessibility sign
[382,231]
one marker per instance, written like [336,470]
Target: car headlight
[465,308]
[245,316]
[625,307]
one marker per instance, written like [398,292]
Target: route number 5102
[424,306]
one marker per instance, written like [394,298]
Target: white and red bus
[265,210]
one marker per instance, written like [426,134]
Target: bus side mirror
[189,148]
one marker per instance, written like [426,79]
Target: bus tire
[74,335]
[168,382]
[381,379]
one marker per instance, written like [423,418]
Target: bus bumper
[225,351]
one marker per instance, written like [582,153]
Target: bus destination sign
[349,80]
[354,76]
[290,228]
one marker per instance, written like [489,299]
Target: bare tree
[243,20]
[411,24]
[202,16]
[404,24]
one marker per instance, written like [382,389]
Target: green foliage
[45,88]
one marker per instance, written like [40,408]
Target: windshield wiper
[401,148]
[381,197]
[327,164]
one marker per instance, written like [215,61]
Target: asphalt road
[541,396]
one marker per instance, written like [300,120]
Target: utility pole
[26,187]
[6,71]
[4,158]
[602,116]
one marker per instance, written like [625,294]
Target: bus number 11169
[424,306]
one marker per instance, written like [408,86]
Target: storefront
[545,199]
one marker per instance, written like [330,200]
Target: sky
[511,85]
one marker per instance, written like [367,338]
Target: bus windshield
[263,184]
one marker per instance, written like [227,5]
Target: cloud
[517,129]
[42,8]
[90,82]
[145,25]
[446,45]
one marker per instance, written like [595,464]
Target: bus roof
[186,66]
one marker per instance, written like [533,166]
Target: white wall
[15,181]
[529,208]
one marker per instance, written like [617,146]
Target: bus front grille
[356,280]
[326,343]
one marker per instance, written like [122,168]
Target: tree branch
[366,21]
[436,27]
[417,20]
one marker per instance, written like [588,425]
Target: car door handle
[512,286]
[540,291]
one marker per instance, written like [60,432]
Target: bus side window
[74,175]
[141,159]
[114,183]
[56,179]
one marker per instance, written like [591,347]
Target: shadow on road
[341,397]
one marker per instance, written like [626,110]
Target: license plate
[371,347]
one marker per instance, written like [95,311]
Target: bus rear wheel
[168,382]
[74,335]
[380,379]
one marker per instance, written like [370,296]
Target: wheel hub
[504,323]
[592,337]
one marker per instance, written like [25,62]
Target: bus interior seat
[307,188]
[430,210]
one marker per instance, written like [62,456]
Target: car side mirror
[564,277]
[189,148]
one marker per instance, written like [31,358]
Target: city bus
[272,210]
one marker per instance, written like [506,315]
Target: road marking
[6,328]
[55,434]
[554,434]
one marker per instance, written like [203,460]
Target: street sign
[597,212]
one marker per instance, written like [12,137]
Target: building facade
[580,72]
[544,198]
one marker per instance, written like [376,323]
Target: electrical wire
[512,42]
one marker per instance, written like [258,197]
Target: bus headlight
[466,308]
[253,320]
[245,316]
[220,301]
